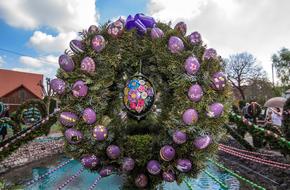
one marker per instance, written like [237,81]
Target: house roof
[11,80]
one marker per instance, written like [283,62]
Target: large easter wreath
[139,98]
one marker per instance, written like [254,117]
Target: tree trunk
[241,92]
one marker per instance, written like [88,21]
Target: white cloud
[2,61]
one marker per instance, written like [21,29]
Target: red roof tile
[11,80]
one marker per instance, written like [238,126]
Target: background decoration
[157,146]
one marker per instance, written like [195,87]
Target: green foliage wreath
[141,139]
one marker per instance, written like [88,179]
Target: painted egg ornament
[100,132]
[73,136]
[168,176]
[88,65]
[93,29]
[191,65]
[156,33]
[183,165]
[194,38]
[218,81]
[106,171]
[195,93]
[90,161]
[210,54]
[68,119]
[153,167]
[116,28]
[89,116]
[175,44]
[98,43]
[202,142]
[167,153]
[113,152]
[141,181]
[57,85]
[181,27]
[80,89]
[179,137]
[190,116]
[128,164]
[215,110]
[77,46]
[138,96]
[66,63]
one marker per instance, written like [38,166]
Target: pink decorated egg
[202,142]
[195,93]
[215,110]
[100,132]
[190,116]
[89,116]
[88,65]
[175,44]
[191,65]
[79,89]
[98,43]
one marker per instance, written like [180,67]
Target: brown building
[17,87]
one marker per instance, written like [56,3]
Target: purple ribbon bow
[140,22]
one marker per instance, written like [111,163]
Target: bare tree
[241,68]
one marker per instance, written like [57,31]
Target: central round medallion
[138,95]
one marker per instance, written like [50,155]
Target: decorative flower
[138,109]
[134,95]
[133,105]
[134,84]
[141,102]
[141,88]
[126,90]
[144,95]
[142,82]
[150,92]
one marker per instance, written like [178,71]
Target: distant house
[17,87]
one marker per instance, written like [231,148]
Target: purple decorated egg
[190,116]
[89,116]
[80,89]
[90,161]
[175,44]
[168,176]
[66,63]
[73,136]
[113,152]
[210,54]
[153,167]
[167,153]
[93,29]
[88,65]
[183,165]
[179,137]
[195,93]
[181,27]
[100,132]
[141,181]
[116,28]
[98,43]
[156,33]
[218,81]
[215,110]
[194,38]
[68,119]
[191,65]
[106,171]
[202,142]
[77,46]
[128,164]
[57,85]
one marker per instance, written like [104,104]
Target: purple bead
[113,152]
[167,153]
[68,119]
[116,28]
[90,161]
[156,33]
[175,44]
[89,116]
[98,43]
[66,63]
[191,65]
[153,167]
[194,38]
[57,85]
[73,136]
[183,165]
[80,89]
[179,137]
[215,110]
[181,27]
[93,29]
[77,46]
[88,65]
[106,171]
[195,93]
[202,142]
[218,81]
[100,132]
[210,54]
[128,164]
[141,181]
[168,176]
[190,116]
